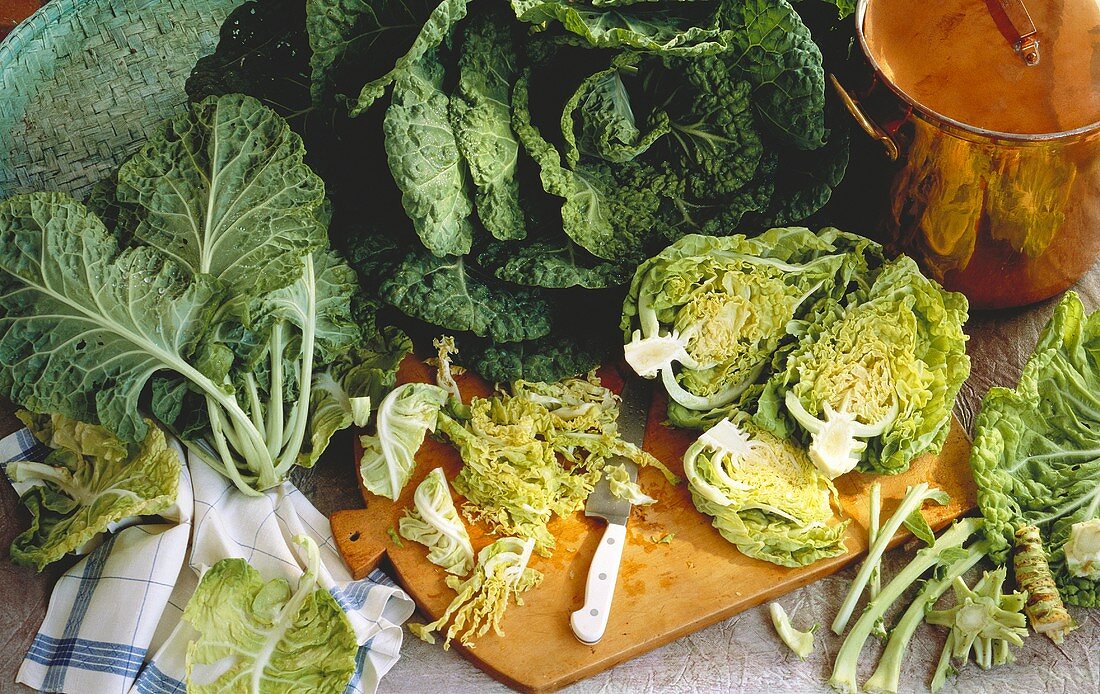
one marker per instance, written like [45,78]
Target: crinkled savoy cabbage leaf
[258,636]
[399,32]
[403,419]
[425,161]
[775,52]
[555,266]
[607,125]
[88,482]
[1035,448]
[689,28]
[482,119]
[548,359]
[606,211]
[433,521]
[443,291]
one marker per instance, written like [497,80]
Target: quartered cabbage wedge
[764,495]
[872,382]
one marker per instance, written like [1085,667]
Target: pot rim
[860,14]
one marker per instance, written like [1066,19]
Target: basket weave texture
[84,82]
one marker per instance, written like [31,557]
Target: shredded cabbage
[501,574]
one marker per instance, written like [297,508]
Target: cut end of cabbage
[726,436]
[650,355]
[835,442]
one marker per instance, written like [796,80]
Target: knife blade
[590,622]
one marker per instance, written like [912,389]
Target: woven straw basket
[84,82]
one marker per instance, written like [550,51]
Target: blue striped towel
[113,624]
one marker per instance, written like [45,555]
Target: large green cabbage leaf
[873,381]
[224,191]
[690,28]
[501,575]
[608,212]
[708,315]
[398,32]
[482,117]
[84,324]
[547,359]
[402,421]
[257,636]
[445,291]
[764,495]
[90,481]
[1035,448]
[554,266]
[680,117]
[775,52]
[433,521]
[425,160]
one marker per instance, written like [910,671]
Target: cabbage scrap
[707,315]
[873,380]
[502,574]
[88,484]
[404,418]
[434,523]
[764,495]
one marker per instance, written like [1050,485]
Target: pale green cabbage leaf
[84,324]
[536,452]
[1036,454]
[402,421]
[764,495]
[257,636]
[433,521]
[621,486]
[88,483]
[223,190]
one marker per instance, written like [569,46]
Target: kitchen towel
[113,624]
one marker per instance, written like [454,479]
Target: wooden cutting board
[664,590]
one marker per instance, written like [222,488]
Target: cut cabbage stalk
[835,445]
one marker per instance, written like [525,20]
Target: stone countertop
[740,654]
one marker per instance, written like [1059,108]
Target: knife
[590,622]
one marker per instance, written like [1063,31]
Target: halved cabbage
[708,314]
[873,381]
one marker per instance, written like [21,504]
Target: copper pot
[997,138]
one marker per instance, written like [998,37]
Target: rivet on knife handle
[590,622]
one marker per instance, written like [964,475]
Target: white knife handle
[590,621]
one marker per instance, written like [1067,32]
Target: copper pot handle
[868,125]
